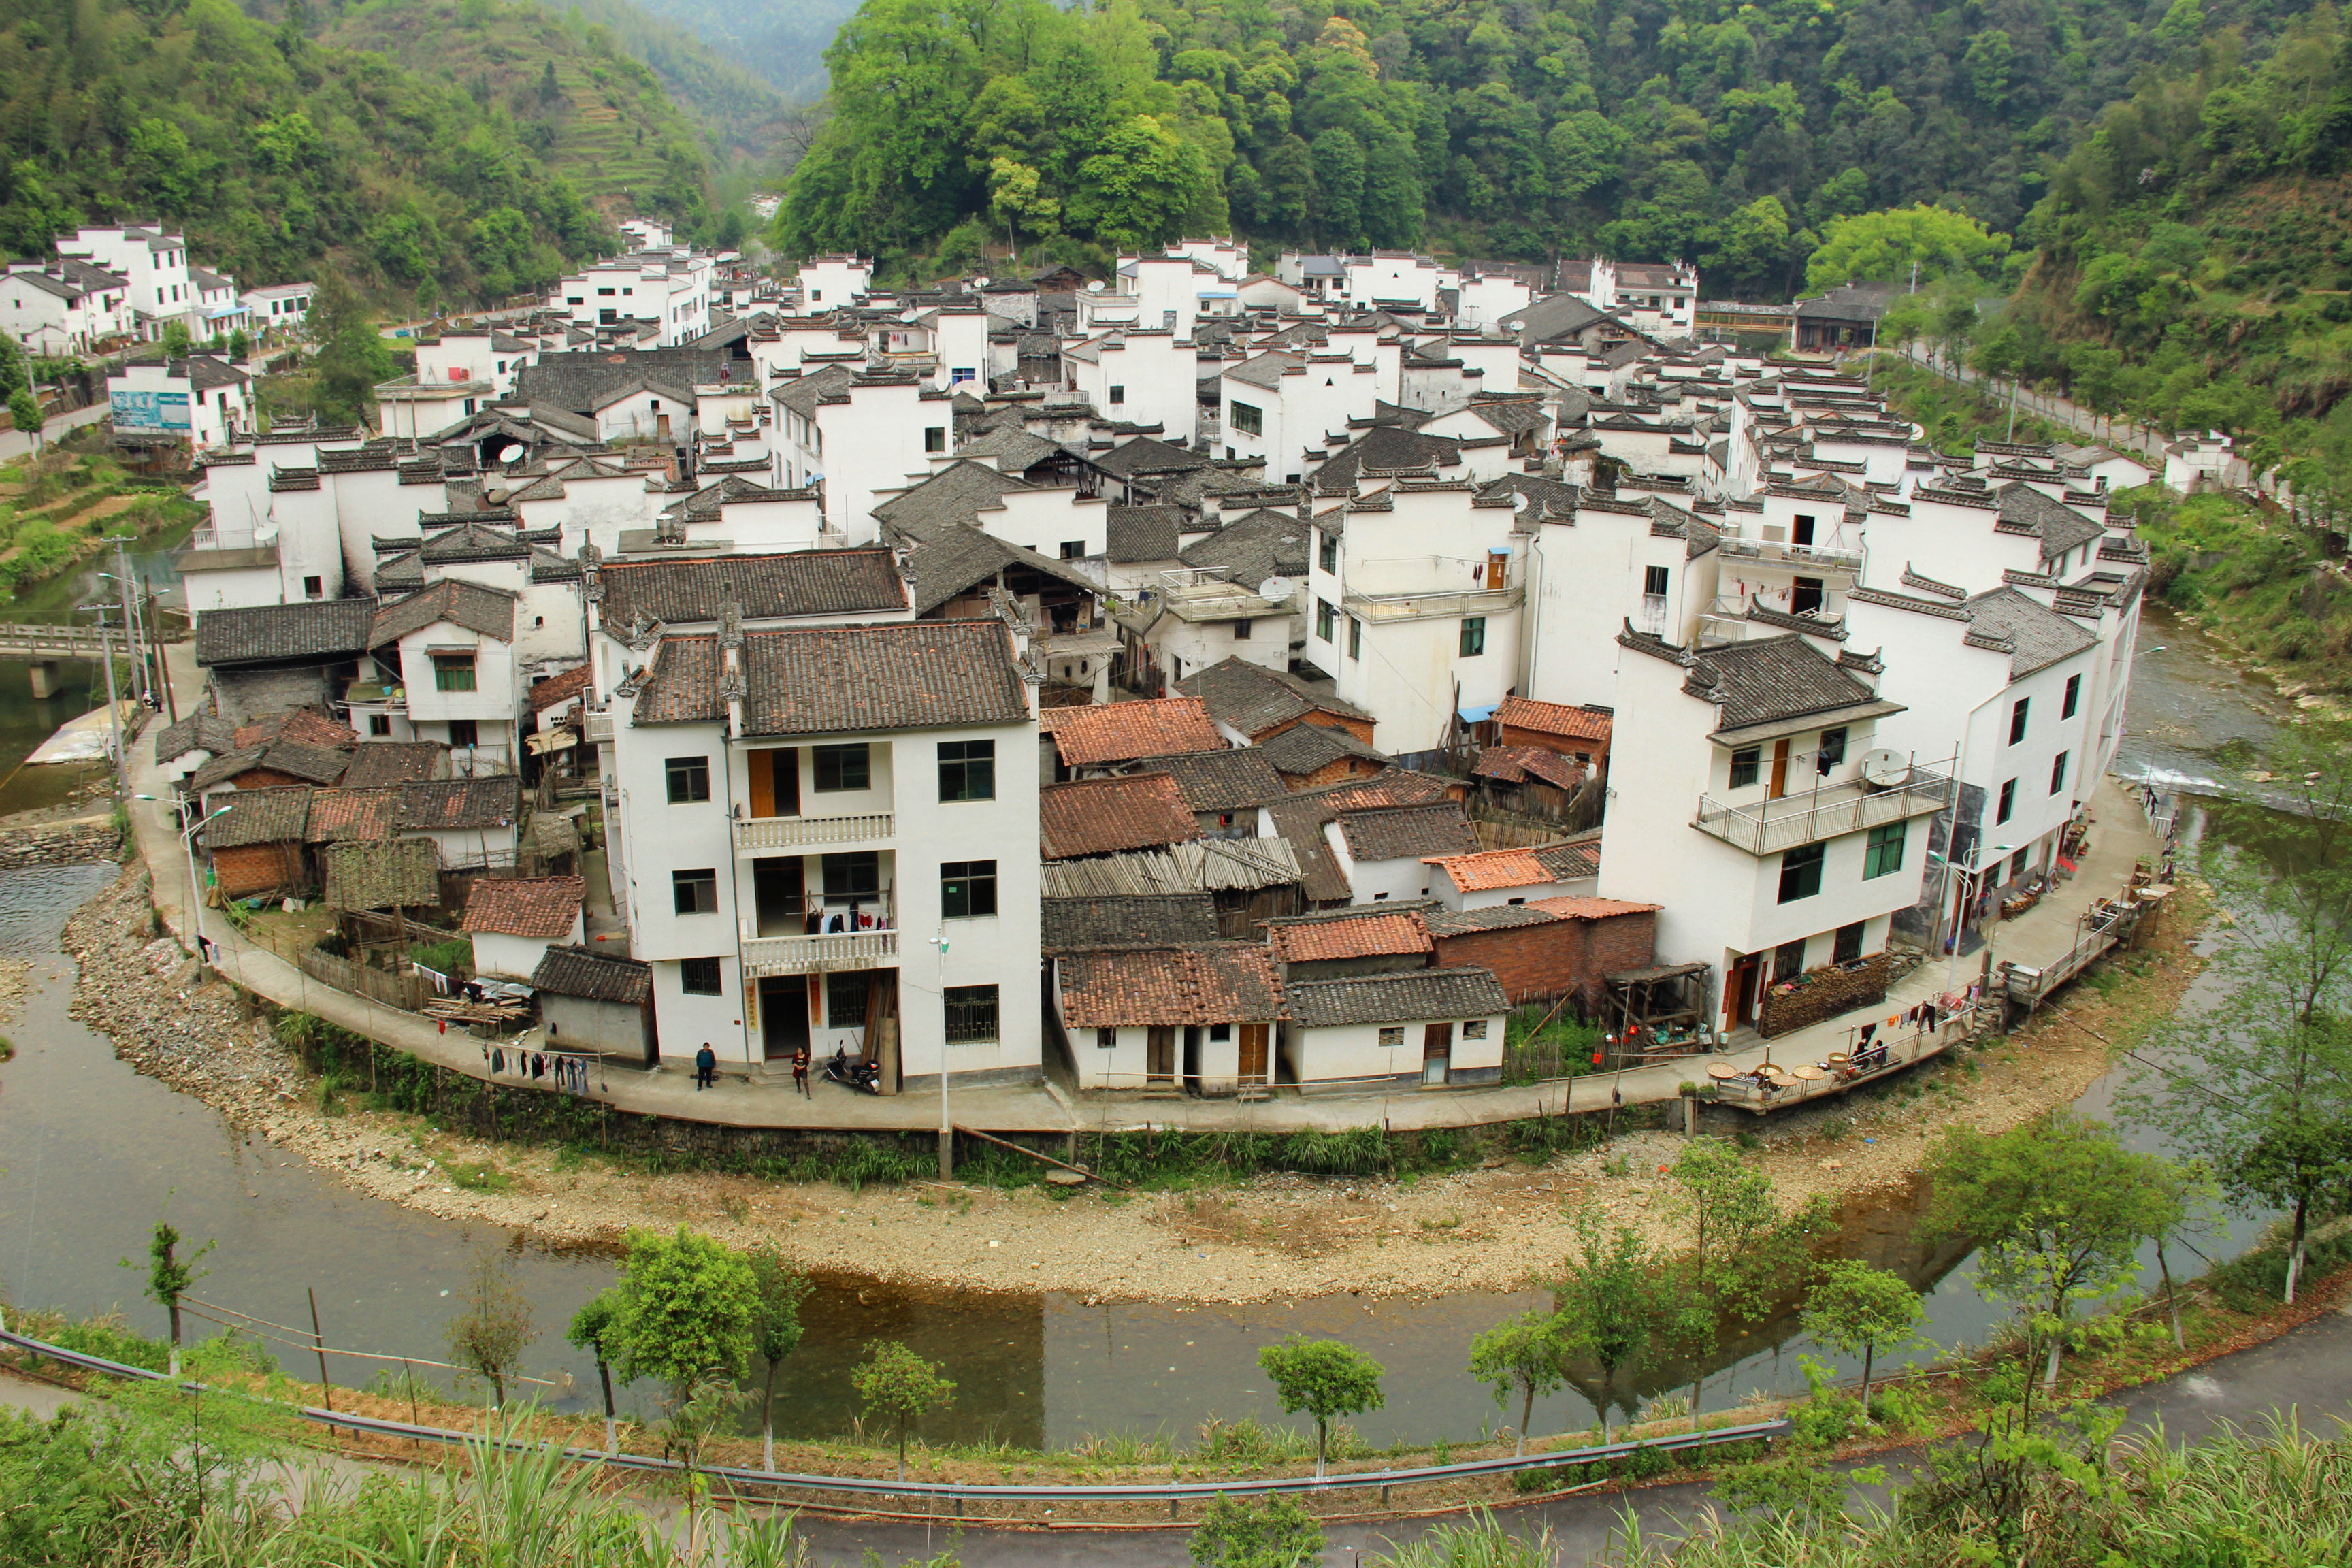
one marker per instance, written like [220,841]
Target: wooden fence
[408,992]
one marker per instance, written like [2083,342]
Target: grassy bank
[1956,418]
[2256,581]
[57,507]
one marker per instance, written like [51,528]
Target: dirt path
[1273,1237]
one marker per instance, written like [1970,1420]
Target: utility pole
[947,1126]
[2015,381]
[132,630]
[113,708]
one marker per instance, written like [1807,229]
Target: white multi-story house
[153,261]
[219,310]
[864,436]
[280,306]
[1393,277]
[828,282]
[63,306]
[1144,376]
[668,287]
[827,838]
[201,400]
[1284,407]
[1595,566]
[1414,597]
[453,644]
[1752,799]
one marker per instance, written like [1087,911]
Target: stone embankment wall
[58,844]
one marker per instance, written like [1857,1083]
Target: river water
[90,1153]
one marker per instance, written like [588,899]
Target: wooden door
[1735,988]
[1253,1053]
[1436,1052]
[1160,1054]
[1780,771]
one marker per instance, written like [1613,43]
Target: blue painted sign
[149,410]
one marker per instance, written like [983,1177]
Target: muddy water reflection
[91,1153]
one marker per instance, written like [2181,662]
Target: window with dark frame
[453,672]
[1882,854]
[935,438]
[967,770]
[966,888]
[842,768]
[1788,959]
[1355,638]
[695,892]
[2017,716]
[1849,943]
[971,1014]
[854,874]
[1106,1038]
[1653,582]
[1327,618]
[1241,631]
[1746,763]
[2017,864]
[1800,872]
[689,779]
[1831,751]
[1248,418]
[1118,395]
[2058,773]
[379,723]
[700,977]
[465,734]
[2073,697]
[845,998]
[2008,802]
[1473,635]
[1328,551]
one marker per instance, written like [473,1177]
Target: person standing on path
[800,1071]
[706,1067]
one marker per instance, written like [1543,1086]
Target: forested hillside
[1726,133]
[728,97]
[783,44]
[2196,250]
[280,157]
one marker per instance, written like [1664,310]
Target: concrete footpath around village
[2119,837]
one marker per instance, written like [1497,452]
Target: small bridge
[48,647]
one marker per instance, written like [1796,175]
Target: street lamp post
[196,889]
[113,708]
[947,1126]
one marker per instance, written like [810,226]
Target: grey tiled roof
[260,817]
[196,732]
[380,876]
[1251,549]
[438,805]
[393,762]
[1139,921]
[1770,679]
[802,582]
[1388,447]
[322,629]
[959,557]
[1401,832]
[580,383]
[1303,748]
[802,395]
[828,679]
[2062,528]
[1017,450]
[1147,455]
[1139,533]
[959,492]
[1253,699]
[593,977]
[1235,779]
[1410,997]
[489,610]
[2039,637]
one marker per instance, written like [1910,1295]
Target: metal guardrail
[1825,812]
[874,1485]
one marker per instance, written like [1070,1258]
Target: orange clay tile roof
[307,725]
[1554,719]
[1100,817]
[1121,732]
[1220,985]
[1492,868]
[1585,909]
[1515,764]
[555,689]
[541,907]
[1369,936]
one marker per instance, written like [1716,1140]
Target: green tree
[14,376]
[2057,1208]
[1856,1310]
[1621,1305]
[24,413]
[494,1325]
[1520,1355]
[1273,1532]
[687,1307]
[1323,1379]
[169,1275]
[595,1328]
[176,344]
[898,1386]
[351,358]
[775,1331]
[2267,1105]
[1883,246]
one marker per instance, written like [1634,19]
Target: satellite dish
[1885,768]
[1274,590]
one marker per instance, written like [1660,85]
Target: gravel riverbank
[1489,1229]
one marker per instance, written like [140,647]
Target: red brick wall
[1337,772]
[252,869]
[263,778]
[1559,957]
[1542,740]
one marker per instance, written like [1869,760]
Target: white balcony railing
[1770,826]
[1803,557]
[765,957]
[763,834]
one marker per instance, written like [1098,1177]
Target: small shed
[513,920]
[597,1002]
[392,874]
[255,843]
[1424,1026]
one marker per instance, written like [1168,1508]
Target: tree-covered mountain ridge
[280,157]
[1729,134]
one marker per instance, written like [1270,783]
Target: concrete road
[15,444]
